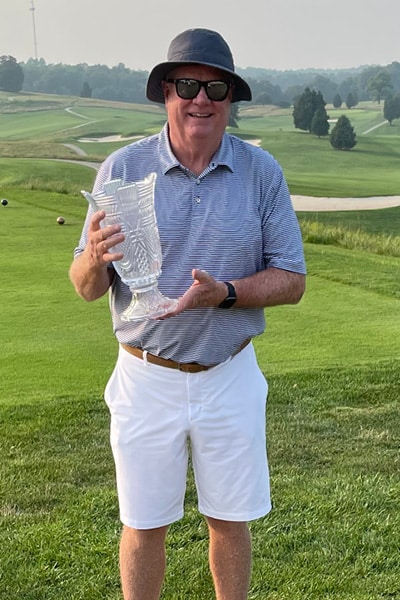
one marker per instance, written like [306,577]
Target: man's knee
[227,527]
[143,537]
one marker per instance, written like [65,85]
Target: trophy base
[148,304]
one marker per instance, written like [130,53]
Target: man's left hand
[205,291]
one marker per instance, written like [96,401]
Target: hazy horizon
[281,35]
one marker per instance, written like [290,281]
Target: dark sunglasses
[187,89]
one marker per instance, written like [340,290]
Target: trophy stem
[148,303]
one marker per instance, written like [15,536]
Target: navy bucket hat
[200,47]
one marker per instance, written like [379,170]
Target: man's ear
[165,89]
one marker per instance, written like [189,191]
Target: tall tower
[32,9]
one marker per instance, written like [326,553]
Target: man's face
[199,118]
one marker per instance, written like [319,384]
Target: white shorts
[155,411]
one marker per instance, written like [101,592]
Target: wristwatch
[231,297]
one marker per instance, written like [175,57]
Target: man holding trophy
[217,242]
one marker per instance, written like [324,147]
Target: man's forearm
[90,282]
[271,287]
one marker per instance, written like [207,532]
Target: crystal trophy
[131,206]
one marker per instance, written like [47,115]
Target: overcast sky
[279,34]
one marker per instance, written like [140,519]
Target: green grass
[384,222]
[49,175]
[40,125]
[313,168]
[333,442]
[333,365]
[311,165]
[320,233]
[333,447]
[271,118]
[82,121]
[43,124]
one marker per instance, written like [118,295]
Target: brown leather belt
[172,364]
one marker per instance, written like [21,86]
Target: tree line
[280,88]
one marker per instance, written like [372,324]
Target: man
[231,246]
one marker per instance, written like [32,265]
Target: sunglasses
[187,89]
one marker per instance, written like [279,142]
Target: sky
[279,34]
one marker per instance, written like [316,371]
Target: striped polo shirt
[232,220]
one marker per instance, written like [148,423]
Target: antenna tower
[32,9]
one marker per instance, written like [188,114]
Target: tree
[326,86]
[293,93]
[263,98]
[86,91]
[350,100]
[379,86]
[337,101]
[11,74]
[264,92]
[305,108]
[117,83]
[394,71]
[343,136]
[319,123]
[347,86]
[391,108]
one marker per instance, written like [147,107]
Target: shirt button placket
[197,198]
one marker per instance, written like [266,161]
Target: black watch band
[231,297]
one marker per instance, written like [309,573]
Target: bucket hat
[200,47]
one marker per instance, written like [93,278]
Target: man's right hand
[90,272]
[102,240]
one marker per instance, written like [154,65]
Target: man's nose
[202,96]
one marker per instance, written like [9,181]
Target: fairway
[358,327]
[332,363]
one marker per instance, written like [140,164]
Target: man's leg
[230,558]
[142,562]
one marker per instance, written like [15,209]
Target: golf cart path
[308,203]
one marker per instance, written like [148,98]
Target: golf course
[332,363]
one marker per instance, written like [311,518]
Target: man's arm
[270,287]
[90,272]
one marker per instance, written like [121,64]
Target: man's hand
[89,272]
[205,291]
[100,241]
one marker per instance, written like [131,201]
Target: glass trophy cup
[132,207]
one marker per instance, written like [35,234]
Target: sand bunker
[110,138]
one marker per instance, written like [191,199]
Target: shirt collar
[223,156]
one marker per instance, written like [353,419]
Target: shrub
[343,136]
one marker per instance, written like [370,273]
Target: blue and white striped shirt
[234,219]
